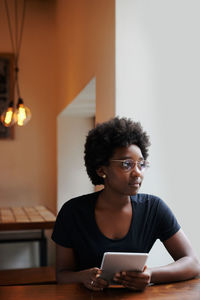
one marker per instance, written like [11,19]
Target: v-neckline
[100,233]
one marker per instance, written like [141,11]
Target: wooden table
[25,219]
[188,290]
[41,275]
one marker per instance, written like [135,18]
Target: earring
[104,176]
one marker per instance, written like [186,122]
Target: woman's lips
[135,184]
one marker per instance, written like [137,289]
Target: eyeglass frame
[134,164]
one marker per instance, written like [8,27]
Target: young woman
[118,218]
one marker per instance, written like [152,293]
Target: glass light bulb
[8,117]
[23,114]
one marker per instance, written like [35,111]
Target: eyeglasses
[128,165]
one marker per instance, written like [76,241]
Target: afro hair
[102,141]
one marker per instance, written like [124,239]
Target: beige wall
[83,38]
[65,44]
[28,163]
[86,48]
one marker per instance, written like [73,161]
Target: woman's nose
[136,171]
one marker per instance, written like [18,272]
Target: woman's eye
[126,165]
[142,164]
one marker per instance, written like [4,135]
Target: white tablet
[114,262]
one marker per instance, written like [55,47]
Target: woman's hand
[92,280]
[136,281]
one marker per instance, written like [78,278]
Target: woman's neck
[108,199]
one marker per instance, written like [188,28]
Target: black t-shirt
[76,228]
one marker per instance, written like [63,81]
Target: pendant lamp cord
[16,45]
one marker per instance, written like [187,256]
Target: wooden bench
[28,276]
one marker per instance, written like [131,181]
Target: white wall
[157,83]
[19,255]
[72,177]
[73,124]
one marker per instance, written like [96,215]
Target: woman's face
[125,172]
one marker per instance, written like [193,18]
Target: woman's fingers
[92,287]
[133,280]
[97,285]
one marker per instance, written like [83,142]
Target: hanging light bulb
[22,113]
[8,116]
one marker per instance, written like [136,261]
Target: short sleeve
[62,232]
[167,222]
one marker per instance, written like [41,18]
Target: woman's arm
[66,271]
[65,265]
[186,265]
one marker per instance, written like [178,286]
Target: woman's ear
[101,172]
